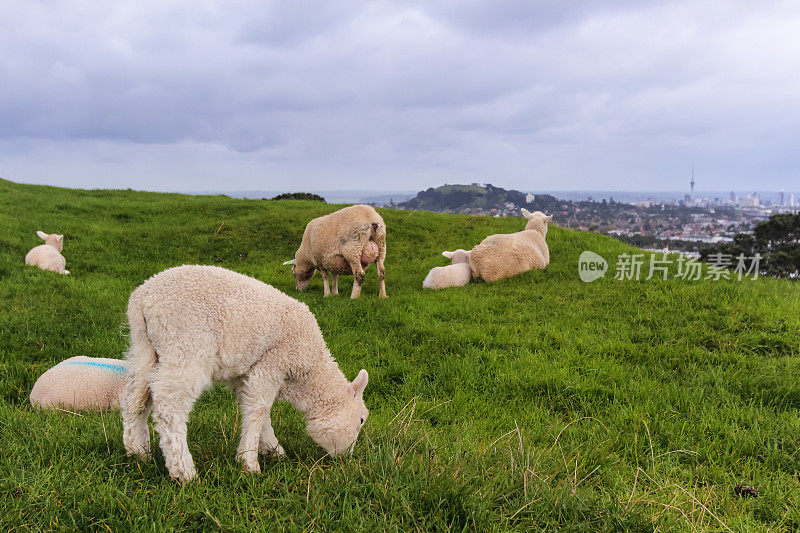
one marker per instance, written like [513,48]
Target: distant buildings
[751,200]
[780,199]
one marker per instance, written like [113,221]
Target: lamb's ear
[290,262]
[360,383]
[448,255]
[42,235]
[60,238]
[548,219]
[526,213]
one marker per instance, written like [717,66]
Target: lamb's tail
[135,401]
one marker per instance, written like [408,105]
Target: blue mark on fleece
[115,368]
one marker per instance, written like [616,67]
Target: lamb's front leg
[256,396]
[334,284]
[326,289]
[268,442]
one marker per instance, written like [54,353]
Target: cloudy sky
[396,95]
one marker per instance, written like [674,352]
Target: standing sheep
[456,274]
[191,326]
[343,242]
[81,383]
[508,254]
[48,256]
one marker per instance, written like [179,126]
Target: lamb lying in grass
[343,242]
[48,256]
[508,254]
[81,383]
[456,274]
[191,326]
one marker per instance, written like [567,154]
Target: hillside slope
[538,401]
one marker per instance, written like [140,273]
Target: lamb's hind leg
[381,268]
[256,396]
[174,392]
[381,277]
[358,278]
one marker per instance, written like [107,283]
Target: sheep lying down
[81,383]
[456,274]
[48,256]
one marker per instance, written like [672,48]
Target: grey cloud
[406,90]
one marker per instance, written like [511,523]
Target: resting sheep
[191,326]
[48,256]
[342,243]
[456,274]
[81,383]
[508,254]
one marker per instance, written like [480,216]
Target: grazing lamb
[456,274]
[343,242]
[508,254]
[48,256]
[191,326]
[81,383]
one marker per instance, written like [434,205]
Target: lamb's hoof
[66,272]
[183,477]
[251,467]
[139,455]
[275,452]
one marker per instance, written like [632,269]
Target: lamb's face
[458,256]
[337,434]
[337,431]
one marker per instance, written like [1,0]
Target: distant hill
[478,199]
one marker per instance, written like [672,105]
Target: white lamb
[81,383]
[343,242]
[48,256]
[508,254]
[456,274]
[191,326]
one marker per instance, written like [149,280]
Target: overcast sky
[292,95]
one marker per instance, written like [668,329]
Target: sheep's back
[234,318]
[352,231]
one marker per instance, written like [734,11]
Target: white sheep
[508,254]
[81,383]
[342,243]
[456,274]
[191,326]
[48,256]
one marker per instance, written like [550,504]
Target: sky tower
[691,183]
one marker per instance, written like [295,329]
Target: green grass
[534,403]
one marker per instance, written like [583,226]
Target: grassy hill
[538,402]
